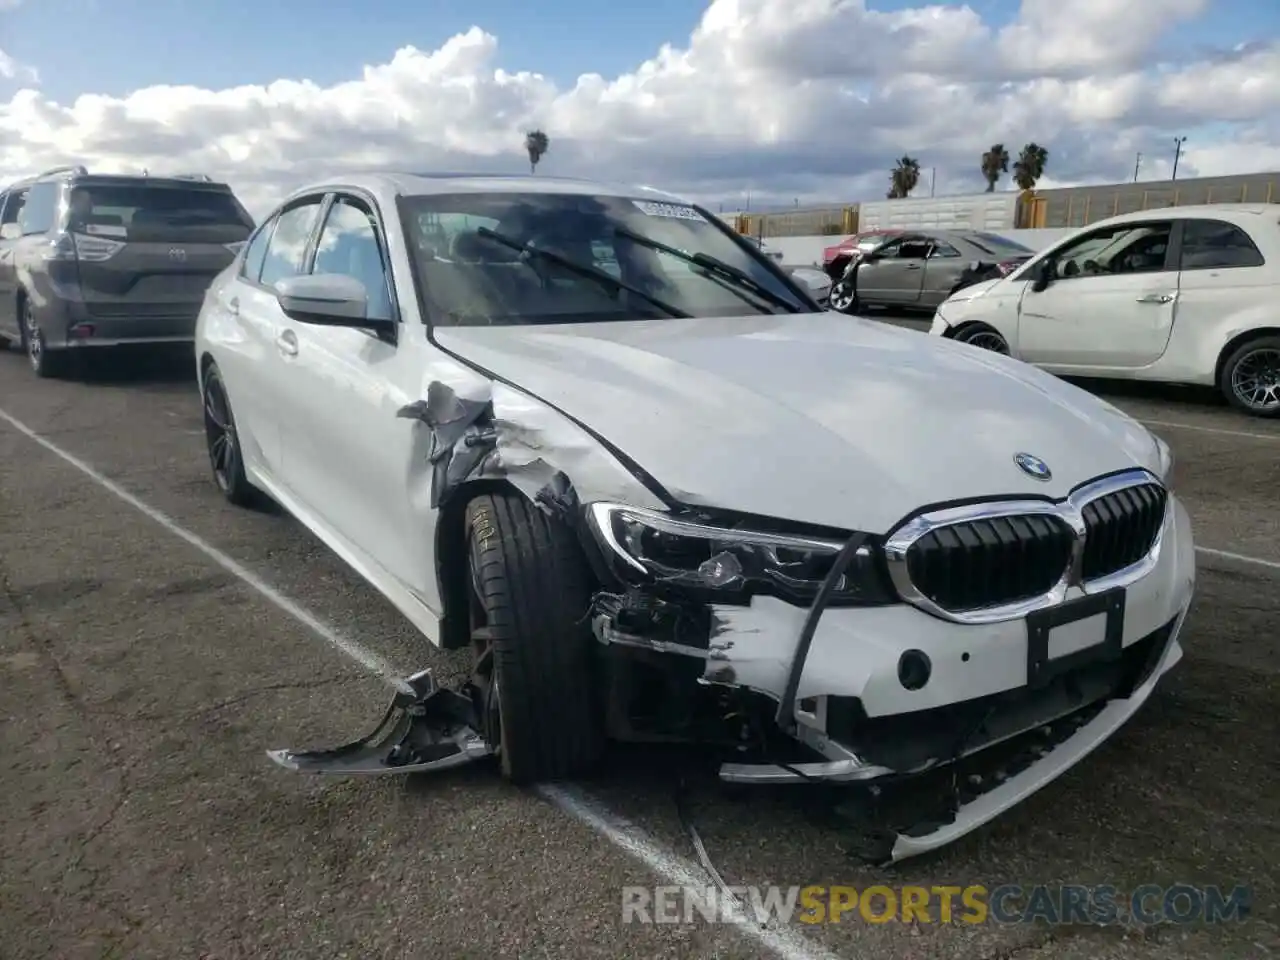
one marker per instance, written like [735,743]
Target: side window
[256,253]
[40,210]
[889,251]
[12,207]
[1112,251]
[944,250]
[913,250]
[1214,244]
[349,246]
[287,249]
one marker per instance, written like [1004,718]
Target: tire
[984,337]
[529,590]
[44,363]
[1250,378]
[843,296]
[222,442]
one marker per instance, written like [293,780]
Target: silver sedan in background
[918,270]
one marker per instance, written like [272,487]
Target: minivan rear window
[159,214]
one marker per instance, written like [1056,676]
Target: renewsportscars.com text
[1056,904]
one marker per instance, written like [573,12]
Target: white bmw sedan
[596,437]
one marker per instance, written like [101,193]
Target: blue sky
[114,46]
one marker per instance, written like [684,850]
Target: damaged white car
[598,438]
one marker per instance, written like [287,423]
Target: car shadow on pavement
[1171,393]
[140,369]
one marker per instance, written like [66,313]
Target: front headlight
[729,564]
[1164,460]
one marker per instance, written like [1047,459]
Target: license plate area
[1082,631]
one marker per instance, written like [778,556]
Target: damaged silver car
[591,434]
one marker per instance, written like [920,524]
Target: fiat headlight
[729,564]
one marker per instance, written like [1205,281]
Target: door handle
[233,306]
[287,343]
[913,266]
[1156,298]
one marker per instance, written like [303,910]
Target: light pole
[1137,164]
[1177,154]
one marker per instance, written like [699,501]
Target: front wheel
[530,589]
[1251,377]
[987,338]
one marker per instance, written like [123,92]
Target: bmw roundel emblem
[1032,466]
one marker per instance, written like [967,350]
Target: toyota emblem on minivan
[177,254]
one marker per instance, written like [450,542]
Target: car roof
[88,178]
[1211,210]
[412,184]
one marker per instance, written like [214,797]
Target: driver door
[1110,303]
[350,461]
[895,272]
[10,206]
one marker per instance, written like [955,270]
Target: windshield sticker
[674,211]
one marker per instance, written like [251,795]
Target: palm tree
[536,144]
[903,178]
[994,163]
[1030,165]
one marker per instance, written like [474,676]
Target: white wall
[799,251]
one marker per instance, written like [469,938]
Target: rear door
[260,355]
[942,272]
[148,251]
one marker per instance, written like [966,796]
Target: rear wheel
[529,589]
[1250,377]
[44,363]
[980,335]
[223,442]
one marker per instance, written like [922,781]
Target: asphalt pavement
[155,641]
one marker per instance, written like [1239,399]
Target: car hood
[974,291]
[816,418]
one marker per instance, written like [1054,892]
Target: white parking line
[1272,437]
[1239,557]
[782,942]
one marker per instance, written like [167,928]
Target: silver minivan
[90,261]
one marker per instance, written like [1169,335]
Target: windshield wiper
[583,269]
[714,266]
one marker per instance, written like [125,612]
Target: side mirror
[1042,275]
[10,231]
[329,300]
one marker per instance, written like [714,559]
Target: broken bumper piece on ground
[426,728]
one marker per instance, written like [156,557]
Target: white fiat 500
[1181,295]
[596,437]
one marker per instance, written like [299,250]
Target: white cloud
[811,99]
[11,69]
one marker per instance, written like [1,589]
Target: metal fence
[1045,209]
[1079,206]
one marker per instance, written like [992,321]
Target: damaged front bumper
[849,690]
[426,729]
[986,714]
